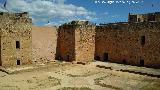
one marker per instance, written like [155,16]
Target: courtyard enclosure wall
[135,43]
[16,39]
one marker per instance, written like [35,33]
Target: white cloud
[44,10]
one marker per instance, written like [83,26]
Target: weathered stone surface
[124,46]
[15,28]
[44,43]
[76,41]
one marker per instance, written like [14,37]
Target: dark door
[141,62]
[0,63]
[18,62]
[105,57]
[68,58]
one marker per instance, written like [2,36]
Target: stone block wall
[125,46]
[44,40]
[16,39]
[85,43]
[76,42]
[66,43]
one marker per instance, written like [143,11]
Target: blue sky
[60,11]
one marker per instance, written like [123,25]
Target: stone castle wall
[125,46]
[85,43]
[16,39]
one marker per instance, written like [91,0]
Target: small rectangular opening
[68,59]
[18,62]
[143,40]
[141,62]
[17,44]
[105,57]
[0,63]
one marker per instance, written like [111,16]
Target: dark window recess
[17,44]
[151,17]
[141,62]
[139,20]
[18,62]
[143,40]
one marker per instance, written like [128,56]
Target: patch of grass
[49,82]
[74,88]
[8,87]
[152,84]
[98,82]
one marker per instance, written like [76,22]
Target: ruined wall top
[80,22]
[114,26]
[18,17]
[23,14]
[77,24]
[149,17]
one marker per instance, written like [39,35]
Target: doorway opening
[105,57]
[68,58]
[124,61]
[0,63]
[18,62]
[141,62]
[97,58]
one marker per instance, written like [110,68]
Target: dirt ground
[68,76]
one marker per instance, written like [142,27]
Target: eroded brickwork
[16,39]
[76,41]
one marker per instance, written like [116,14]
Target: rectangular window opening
[143,40]
[18,62]
[17,44]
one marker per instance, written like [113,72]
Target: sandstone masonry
[15,39]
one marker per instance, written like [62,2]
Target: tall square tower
[15,39]
[76,41]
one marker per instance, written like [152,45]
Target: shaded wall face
[151,49]
[16,43]
[85,43]
[157,16]
[125,46]
[0,52]
[44,40]
[66,43]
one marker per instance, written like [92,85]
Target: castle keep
[15,39]
[76,41]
